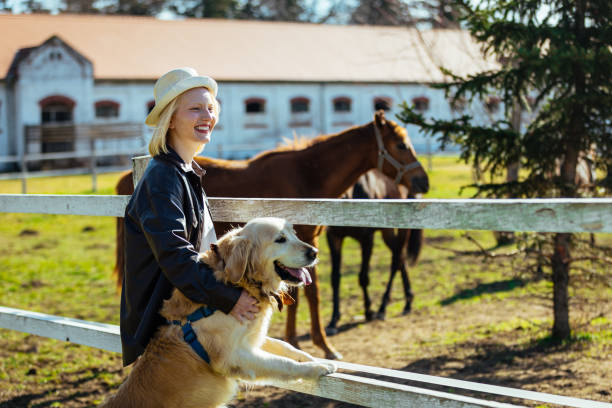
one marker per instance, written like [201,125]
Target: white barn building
[95,74]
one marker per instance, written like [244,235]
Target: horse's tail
[415,243]
[125,186]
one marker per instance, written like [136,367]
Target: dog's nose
[311,253]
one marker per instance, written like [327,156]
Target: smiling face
[193,121]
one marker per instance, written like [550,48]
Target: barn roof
[143,48]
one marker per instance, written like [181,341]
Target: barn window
[458,104]
[107,109]
[421,103]
[300,105]
[56,108]
[255,105]
[492,104]
[382,103]
[150,106]
[55,55]
[342,104]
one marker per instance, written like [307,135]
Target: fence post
[92,163]
[139,165]
[24,172]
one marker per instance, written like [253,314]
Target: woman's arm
[160,214]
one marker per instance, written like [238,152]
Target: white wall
[40,76]
[270,128]
[4,132]
[133,99]
[43,74]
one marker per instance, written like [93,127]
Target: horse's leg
[391,241]
[316,328]
[403,236]
[334,241]
[290,324]
[367,242]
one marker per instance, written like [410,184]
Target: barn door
[58,133]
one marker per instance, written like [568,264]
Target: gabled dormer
[52,60]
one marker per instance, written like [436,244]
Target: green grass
[62,265]
[446,176]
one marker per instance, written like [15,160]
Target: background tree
[80,7]
[32,6]
[272,10]
[381,12]
[135,7]
[124,7]
[558,54]
[421,13]
[205,8]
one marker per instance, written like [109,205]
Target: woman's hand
[245,308]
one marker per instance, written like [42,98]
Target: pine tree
[556,60]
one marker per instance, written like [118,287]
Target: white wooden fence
[546,215]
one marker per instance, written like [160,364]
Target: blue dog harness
[189,335]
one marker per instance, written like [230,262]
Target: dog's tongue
[302,274]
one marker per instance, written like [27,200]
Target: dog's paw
[320,369]
[331,368]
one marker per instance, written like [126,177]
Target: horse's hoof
[381,316]
[331,330]
[333,355]
[407,310]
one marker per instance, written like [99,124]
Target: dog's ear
[237,261]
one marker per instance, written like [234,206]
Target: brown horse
[402,243]
[325,168]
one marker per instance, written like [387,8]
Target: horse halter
[383,155]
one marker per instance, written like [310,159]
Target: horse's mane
[288,145]
[298,143]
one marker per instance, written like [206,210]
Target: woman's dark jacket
[163,231]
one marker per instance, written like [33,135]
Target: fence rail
[74,141]
[542,215]
[545,215]
[339,386]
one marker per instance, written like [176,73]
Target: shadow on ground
[481,288]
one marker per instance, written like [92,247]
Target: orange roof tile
[236,50]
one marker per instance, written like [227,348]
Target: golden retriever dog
[264,257]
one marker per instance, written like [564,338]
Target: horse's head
[396,155]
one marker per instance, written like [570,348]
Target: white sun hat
[172,84]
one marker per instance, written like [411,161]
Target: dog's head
[266,253]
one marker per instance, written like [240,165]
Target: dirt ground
[569,369]
[499,340]
[409,343]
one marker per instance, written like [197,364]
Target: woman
[167,220]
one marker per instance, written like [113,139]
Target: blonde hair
[159,140]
